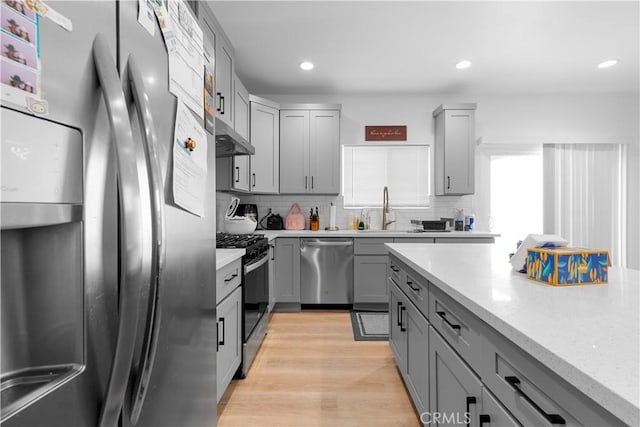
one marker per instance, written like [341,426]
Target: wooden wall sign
[385,133]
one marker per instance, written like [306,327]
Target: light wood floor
[310,372]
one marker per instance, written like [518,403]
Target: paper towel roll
[332,217]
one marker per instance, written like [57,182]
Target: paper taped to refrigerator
[189,162]
[185,46]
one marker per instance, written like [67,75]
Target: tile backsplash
[439,207]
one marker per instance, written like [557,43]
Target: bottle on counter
[314,220]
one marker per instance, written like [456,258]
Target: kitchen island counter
[225,257]
[588,335]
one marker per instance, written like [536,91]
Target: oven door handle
[252,267]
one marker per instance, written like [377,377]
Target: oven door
[256,293]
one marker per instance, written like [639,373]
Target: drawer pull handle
[471,400]
[402,328]
[221,319]
[484,418]
[233,276]
[443,316]
[410,284]
[551,418]
[394,268]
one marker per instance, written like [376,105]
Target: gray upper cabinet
[265,137]
[294,151]
[224,80]
[240,108]
[324,151]
[310,149]
[224,63]
[241,179]
[454,149]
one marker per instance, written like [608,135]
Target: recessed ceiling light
[306,65]
[607,64]
[463,64]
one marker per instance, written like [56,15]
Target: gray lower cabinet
[397,336]
[456,392]
[229,353]
[287,277]
[370,265]
[409,341]
[417,366]
[493,414]
[475,375]
[272,276]
[369,279]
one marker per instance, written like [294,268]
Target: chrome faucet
[385,208]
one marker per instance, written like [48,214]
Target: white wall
[511,119]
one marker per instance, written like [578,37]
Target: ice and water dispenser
[42,301]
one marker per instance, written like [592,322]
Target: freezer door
[181,388]
[70,85]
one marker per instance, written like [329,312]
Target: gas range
[255,290]
[256,245]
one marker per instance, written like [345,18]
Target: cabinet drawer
[413,240]
[370,246]
[465,240]
[396,271]
[413,285]
[417,289]
[493,414]
[227,279]
[456,325]
[531,392]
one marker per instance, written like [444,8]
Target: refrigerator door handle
[158,254]
[130,225]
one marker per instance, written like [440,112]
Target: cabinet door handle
[253,175]
[305,182]
[219,101]
[312,182]
[398,318]
[402,328]
[551,418]
[443,316]
[484,418]
[448,182]
[471,400]
[222,104]
[410,284]
[273,252]
[237,173]
[221,319]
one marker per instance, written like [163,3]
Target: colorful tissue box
[567,266]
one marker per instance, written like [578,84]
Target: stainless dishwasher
[326,271]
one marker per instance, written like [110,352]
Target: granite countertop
[272,234]
[225,257]
[589,334]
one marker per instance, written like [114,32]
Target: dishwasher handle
[327,243]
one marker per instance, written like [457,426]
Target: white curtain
[585,196]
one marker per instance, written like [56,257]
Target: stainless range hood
[230,143]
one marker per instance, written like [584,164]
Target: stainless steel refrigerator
[108,287]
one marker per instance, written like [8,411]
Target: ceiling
[412,47]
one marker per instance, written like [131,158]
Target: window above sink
[404,169]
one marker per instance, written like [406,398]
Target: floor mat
[370,326]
